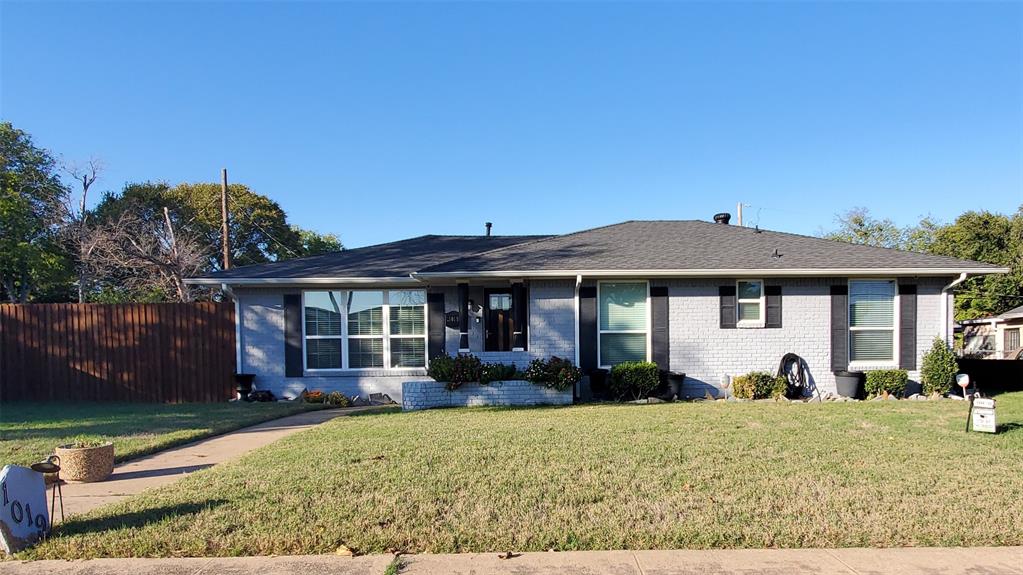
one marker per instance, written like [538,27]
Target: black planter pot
[243,385]
[598,382]
[850,384]
[674,387]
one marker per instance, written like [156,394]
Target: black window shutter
[435,307]
[773,296]
[661,351]
[520,304]
[839,327]
[587,327]
[907,326]
[727,294]
[293,335]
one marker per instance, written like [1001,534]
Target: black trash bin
[243,385]
[850,383]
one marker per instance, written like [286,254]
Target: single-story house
[712,300]
[995,337]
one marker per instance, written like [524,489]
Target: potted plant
[86,460]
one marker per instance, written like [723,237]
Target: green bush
[338,399]
[441,368]
[891,380]
[555,373]
[491,372]
[633,380]
[759,385]
[939,368]
[455,371]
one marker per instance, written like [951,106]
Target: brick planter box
[417,395]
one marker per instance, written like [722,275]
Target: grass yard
[683,475]
[30,431]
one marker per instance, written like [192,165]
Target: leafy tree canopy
[33,263]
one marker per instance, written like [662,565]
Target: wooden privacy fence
[161,352]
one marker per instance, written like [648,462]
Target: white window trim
[873,364]
[648,330]
[386,335]
[761,302]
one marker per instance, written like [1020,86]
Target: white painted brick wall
[429,394]
[706,353]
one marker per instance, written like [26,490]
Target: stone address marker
[24,517]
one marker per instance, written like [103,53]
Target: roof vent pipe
[489,225]
[722,218]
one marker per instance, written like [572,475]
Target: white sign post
[24,518]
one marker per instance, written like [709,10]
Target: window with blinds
[749,309]
[872,323]
[371,328]
[622,319]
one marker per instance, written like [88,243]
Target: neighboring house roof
[641,248]
[390,260]
[1014,313]
[693,247]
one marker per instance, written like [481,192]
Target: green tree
[33,262]
[857,226]
[314,243]
[994,239]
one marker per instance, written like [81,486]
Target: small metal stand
[52,465]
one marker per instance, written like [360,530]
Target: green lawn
[30,431]
[683,475]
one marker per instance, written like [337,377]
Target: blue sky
[379,121]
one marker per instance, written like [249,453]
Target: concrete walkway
[914,561]
[134,476]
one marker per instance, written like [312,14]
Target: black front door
[499,320]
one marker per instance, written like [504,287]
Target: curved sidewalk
[134,476]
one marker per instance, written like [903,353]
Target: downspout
[946,327]
[237,328]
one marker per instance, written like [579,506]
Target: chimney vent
[489,225]
[722,218]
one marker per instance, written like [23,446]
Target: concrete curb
[904,561]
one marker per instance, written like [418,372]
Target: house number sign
[24,517]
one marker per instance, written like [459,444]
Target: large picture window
[363,329]
[872,325]
[622,321]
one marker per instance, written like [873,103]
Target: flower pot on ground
[86,462]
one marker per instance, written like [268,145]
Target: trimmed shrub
[441,368]
[633,380]
[759,385]
[554,373]
[891,380]
[491,372]
[454,371]
[315,397]
[939,368]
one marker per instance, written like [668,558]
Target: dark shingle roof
[395,259]
[692,245]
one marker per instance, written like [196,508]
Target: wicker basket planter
[86,464]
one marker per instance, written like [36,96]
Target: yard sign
[24,517]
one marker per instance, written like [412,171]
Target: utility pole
[223,219]
[738,209]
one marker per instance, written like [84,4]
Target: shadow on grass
[1011,427]
[134,520]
